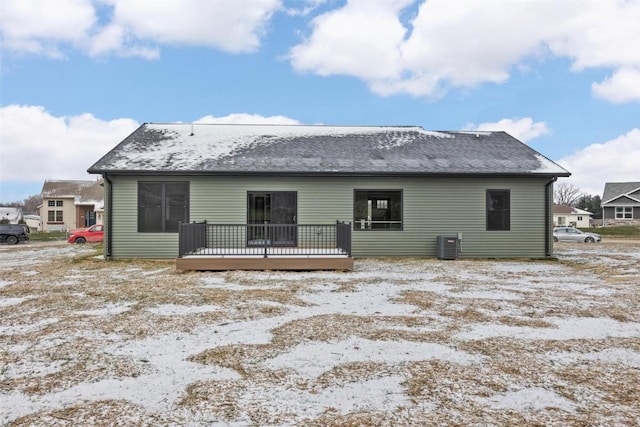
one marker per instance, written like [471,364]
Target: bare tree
[30,204]
[566,194]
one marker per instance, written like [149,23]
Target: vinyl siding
[431,207]
[126,241]
[68,214]
[609,212]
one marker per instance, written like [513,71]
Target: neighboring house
[399,187]
[11,215]
[564,215]
[99,210]
[33,222]
[69,205]
[621,203]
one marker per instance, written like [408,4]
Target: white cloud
[111,40]
[303,7]
[50,147]
[36,145]
[238,118]
[524,129]
[623,86]
[132,27]
[441,45]
[469,42]
[223,24]
[41,26]
[612,161]
[361,39]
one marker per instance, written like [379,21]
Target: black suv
[13,233]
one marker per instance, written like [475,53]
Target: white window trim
[621,212]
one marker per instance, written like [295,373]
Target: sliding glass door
[266,210]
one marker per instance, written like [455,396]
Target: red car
[93,234]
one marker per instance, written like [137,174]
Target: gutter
[109,203]
[547,216]
[358,174]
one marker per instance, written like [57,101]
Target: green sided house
[313,197]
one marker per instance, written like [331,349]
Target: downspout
[109,215]
[547,216]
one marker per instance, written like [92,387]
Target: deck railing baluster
[267,240]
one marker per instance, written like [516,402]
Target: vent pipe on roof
[191,134]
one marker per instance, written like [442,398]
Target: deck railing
[265,239]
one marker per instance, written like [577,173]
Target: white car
[574,235]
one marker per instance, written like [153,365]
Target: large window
[377,210]
[624,212]
[162,205]
[498,210]
[54,216]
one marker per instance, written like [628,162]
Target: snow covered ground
[395,342]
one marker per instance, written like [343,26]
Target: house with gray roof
[70,204]
[621,203]
[397,188]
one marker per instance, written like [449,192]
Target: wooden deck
[251,262]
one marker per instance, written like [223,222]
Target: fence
[265,239]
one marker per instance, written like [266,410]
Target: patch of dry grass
[102,412]
[346,373]
[237,357]
[75,308]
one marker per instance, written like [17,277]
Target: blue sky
[77,76]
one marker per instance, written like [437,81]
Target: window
[377,210]
[58,203]
[498,210]
[624,212]
[54,216]
[51,203]
[162,205]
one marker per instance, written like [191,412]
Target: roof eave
[130,172]
[612,200]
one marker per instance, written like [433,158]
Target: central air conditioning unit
[447,247]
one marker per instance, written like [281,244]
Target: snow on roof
[546,165]
[578,211]
[10,213]
[215,148]
[64,188]
[83,192]
[569,210]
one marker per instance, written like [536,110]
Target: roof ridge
[285,125]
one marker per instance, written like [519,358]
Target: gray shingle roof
[613,190]
[82,191]
[233,149]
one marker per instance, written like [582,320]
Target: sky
[78,76]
